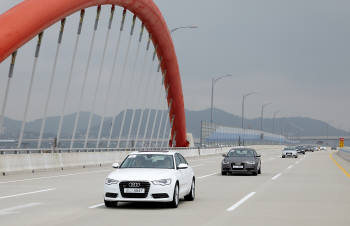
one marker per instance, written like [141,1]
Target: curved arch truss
[31,18]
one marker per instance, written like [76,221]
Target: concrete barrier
[344,153]
[12,163]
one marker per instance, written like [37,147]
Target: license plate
[237,167]
[134,190]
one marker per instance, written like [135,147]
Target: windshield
[241,153]
[289,148]
[156,161]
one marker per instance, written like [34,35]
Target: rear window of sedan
[241,153]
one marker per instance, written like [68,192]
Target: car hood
[240,159]
[141,174]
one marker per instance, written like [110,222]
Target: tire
[283,156]
[255,173]
[223,173]
[176,197]
[259,171]
[111,204]
[192,195]
[296,157]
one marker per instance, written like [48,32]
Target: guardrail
[32,160]
[344,153]
[69,150]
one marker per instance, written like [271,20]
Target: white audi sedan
[150,177]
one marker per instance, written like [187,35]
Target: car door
[188,173]
[181,174]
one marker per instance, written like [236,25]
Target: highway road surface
[310,190]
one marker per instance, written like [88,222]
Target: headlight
[250,162]
[110,181]
[225,161]
[162,182]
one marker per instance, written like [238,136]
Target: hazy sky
[295,53]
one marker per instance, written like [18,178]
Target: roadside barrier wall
[32,162]
[27,161]
[344,153]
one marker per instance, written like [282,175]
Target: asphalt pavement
[309,190]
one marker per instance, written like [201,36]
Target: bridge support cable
[124,102]
[29,93]
[147,93]
[137,91]
[7,90]
[119,82]
[166,111]
[150,107]
[82,14]
[166,136]
[157,97]
[128,125]
[162,97]
[53,74]
[110,82]
[91,113]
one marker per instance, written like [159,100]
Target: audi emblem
[134,184]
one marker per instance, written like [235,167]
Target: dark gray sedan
[241,160]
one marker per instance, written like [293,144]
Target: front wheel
[176,197]
[259,171]
[191,196]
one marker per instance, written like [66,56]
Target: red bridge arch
[24,21]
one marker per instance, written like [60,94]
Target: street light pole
[243,103]
[213,81]
[183,27]
[262,115]
[274,119]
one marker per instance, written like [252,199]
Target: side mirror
[258,155]
[182,166]
[116,165]
[224,155]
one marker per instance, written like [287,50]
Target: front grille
[160,196]
[111,195]
[129,184]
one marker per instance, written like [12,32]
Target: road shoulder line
[339,166]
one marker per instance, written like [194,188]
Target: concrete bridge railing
[344,153]
[12,161]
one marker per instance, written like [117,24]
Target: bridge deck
[310,190]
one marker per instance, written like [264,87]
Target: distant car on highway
[334,148]
[323,148]
[290,152]
[309,148]
[150,177]
[241,160]
[301,149]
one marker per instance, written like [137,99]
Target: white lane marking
[212,174]
[240,202]
[50,177]
[291,166]
[196,166]
[27,193]
[297,162]
[276,176]
[13,210]
[97,205]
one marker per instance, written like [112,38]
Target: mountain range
[289,126]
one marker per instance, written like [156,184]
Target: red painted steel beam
[24,21]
